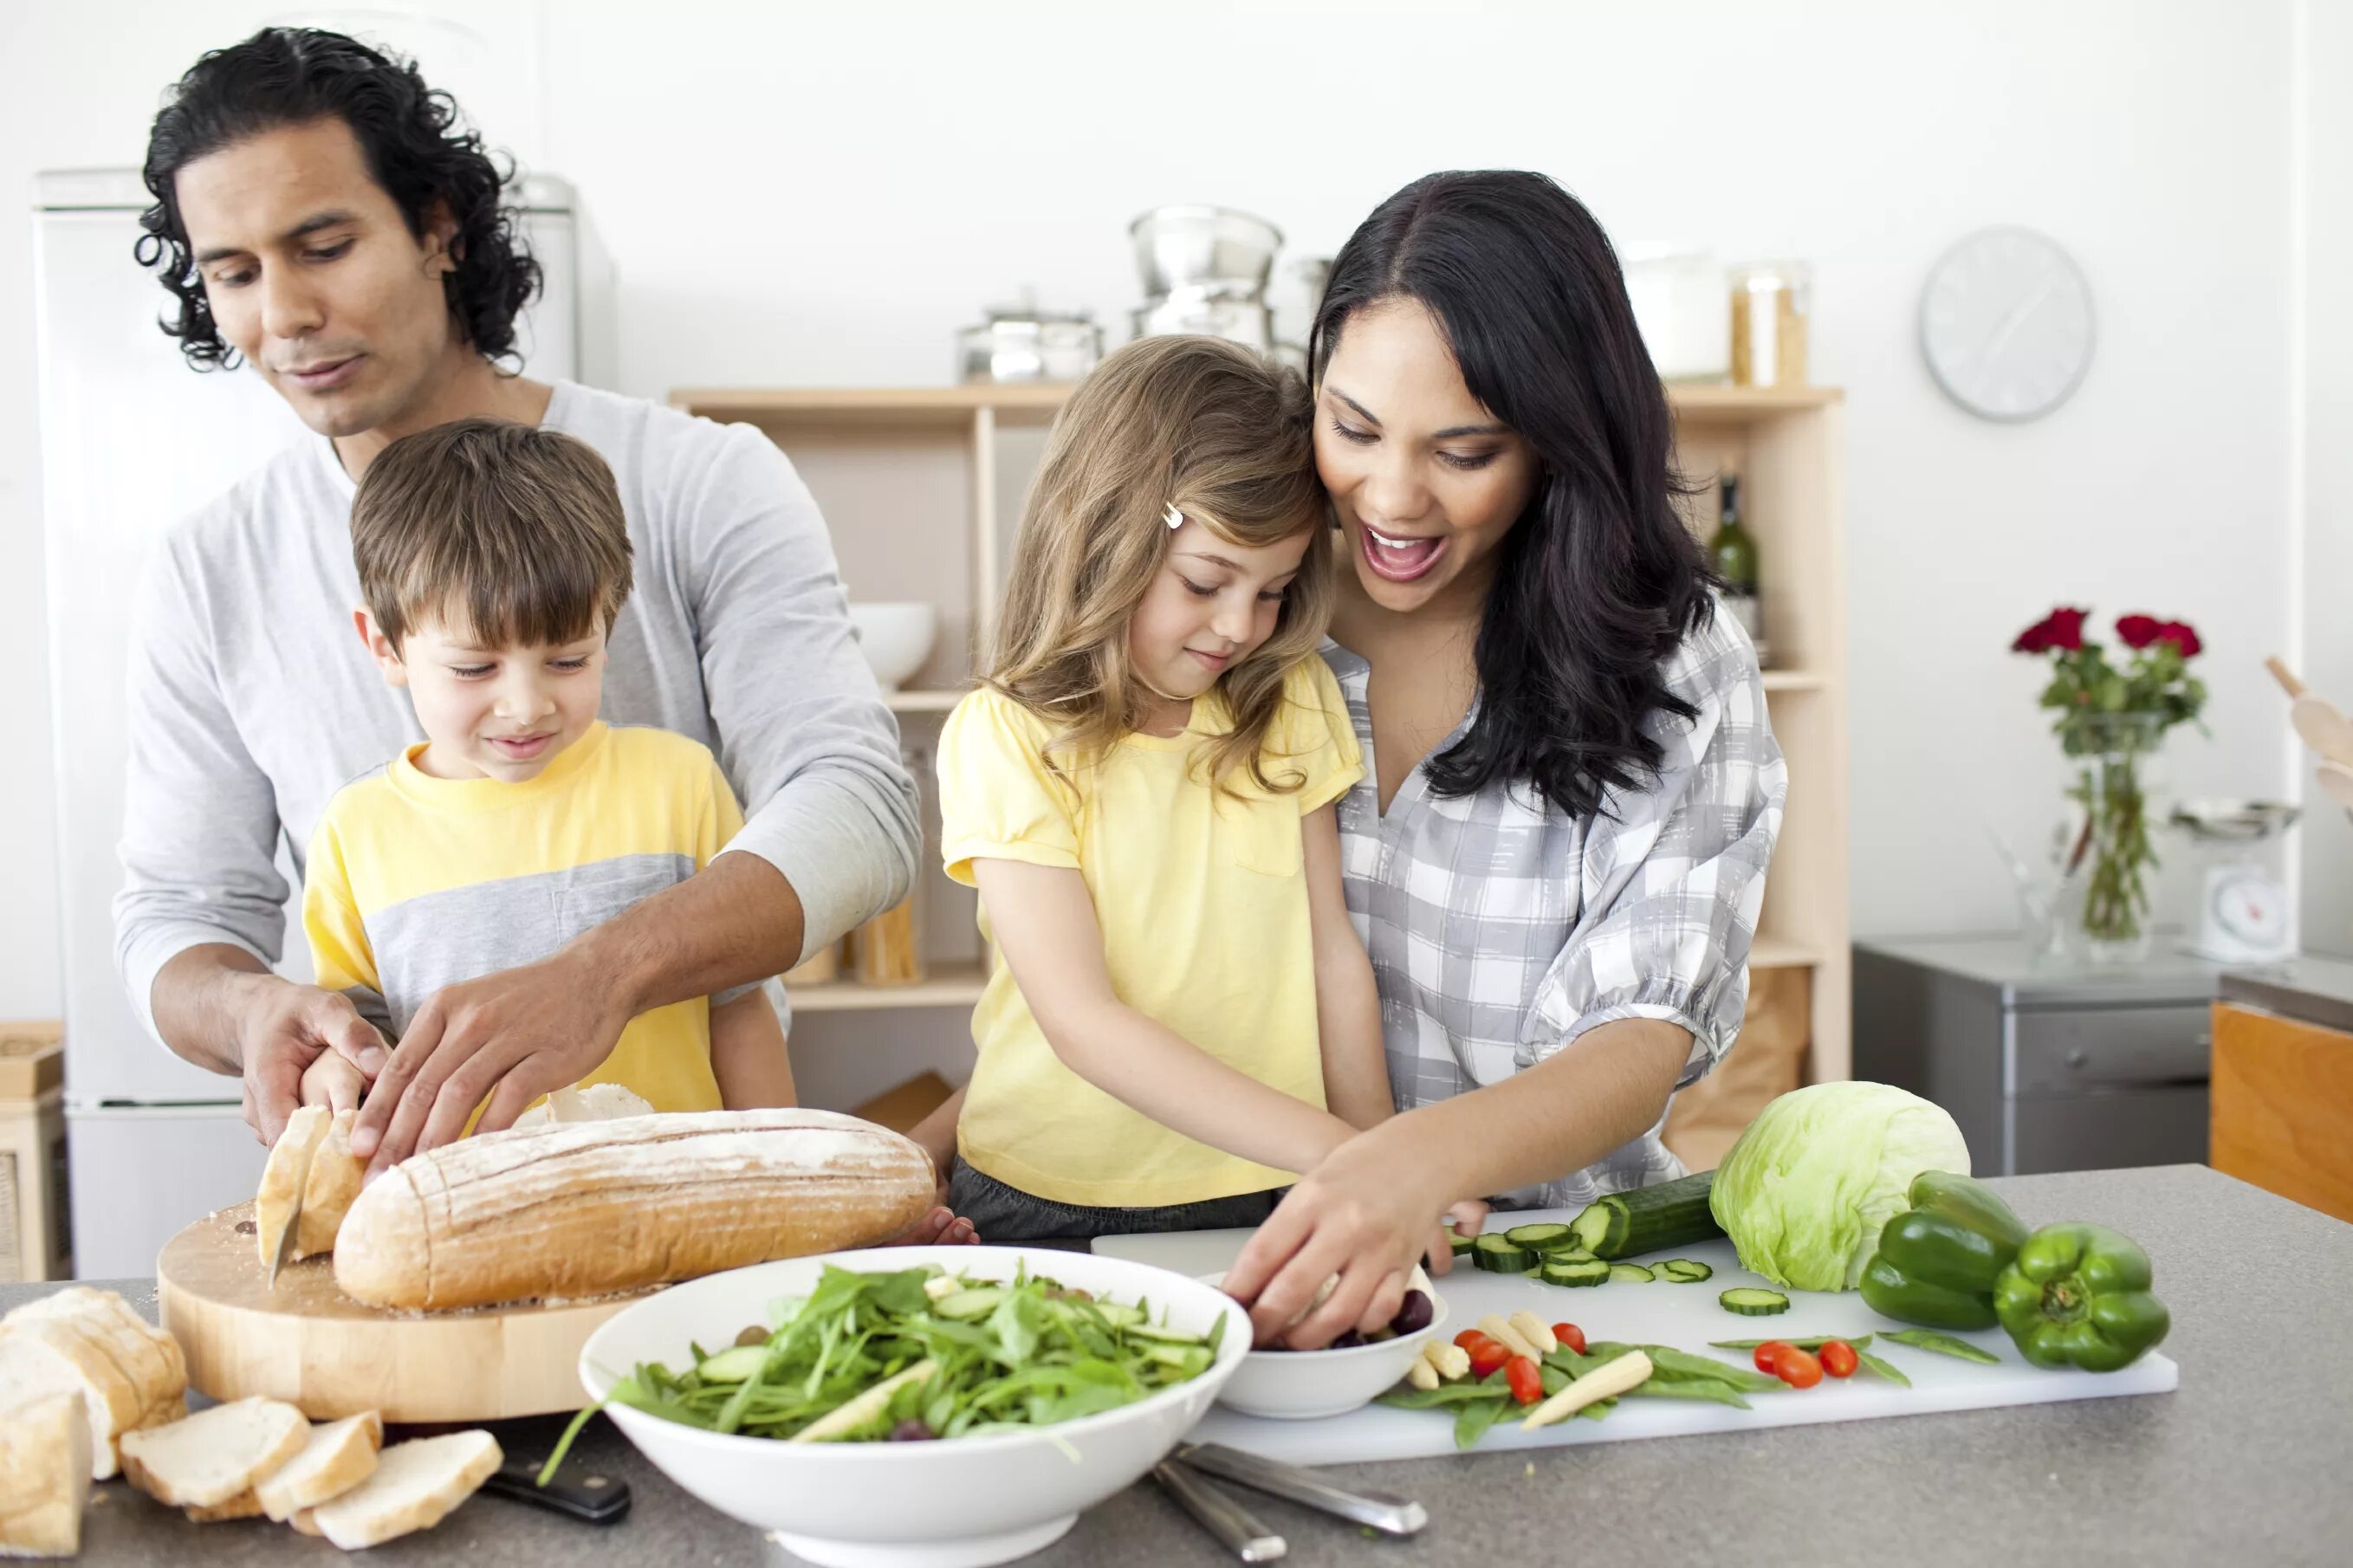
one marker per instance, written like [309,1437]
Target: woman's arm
[1347,1005]
[1045,922]
[1368,1212]
[748,1055]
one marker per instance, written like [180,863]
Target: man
[323,216]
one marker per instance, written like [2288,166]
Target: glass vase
[2106,851]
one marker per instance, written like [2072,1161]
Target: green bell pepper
[2077,1295]
[1937,1261]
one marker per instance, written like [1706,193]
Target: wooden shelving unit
[922,487]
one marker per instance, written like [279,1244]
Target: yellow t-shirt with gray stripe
[415,883]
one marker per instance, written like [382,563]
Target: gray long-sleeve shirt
[252,701]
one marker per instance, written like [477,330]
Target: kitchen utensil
[2337,779]
[1244,321]
[308,1344]
[1685,1315]
[1383,1511]
[1770,303]
[573,1491]
[894,637]
[2243,915]
[967,1503]
[1019,343]
[2317,721]
[1302,1385]
[1682,309]
[287,1239]
[1221,1513]
[1209,252]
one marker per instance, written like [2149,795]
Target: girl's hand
[1355,1217]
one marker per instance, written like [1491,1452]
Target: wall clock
[2006,324]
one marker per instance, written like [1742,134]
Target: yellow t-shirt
[415,883]
[1202,900]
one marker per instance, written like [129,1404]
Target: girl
[1180,1015]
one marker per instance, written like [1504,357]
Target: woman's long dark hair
[416,146]
[1598,580]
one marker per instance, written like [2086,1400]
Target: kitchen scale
[2242,909]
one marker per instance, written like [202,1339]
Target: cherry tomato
[1769,1355]
[1798,1369]
[1570,1335]
[1527,1381]
[1838,1359]
[1468,1339]
[1485,1354]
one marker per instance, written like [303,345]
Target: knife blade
[1383,1511]
[286,1242]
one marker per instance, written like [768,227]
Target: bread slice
[246,1504]
[282,1179]
[328,1191]
[415,1487]
[339,1457]
[588,1102]
[147,1357]
[305,1522]
[44,1473]
[41,1357]
[214,1454]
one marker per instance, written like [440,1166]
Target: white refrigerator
[131,440]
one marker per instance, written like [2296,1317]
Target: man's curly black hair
[416,146]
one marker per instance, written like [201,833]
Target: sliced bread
[44,1473]
[217,1453]
[339,1457]
[415,1487]
[147,1357]
[332,1183]
[40,1357]
[246,1504]
[283,1178]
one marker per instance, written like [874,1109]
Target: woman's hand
[1367,1213]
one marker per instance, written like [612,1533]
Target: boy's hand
[507,1037]
[283,1031]
[333,1082]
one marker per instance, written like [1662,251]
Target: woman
[1559,851]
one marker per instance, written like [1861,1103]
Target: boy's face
[501,713]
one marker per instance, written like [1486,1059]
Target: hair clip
[1172,516]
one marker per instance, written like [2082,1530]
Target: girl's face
[1425,480]
[1210,606]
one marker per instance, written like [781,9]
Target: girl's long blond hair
[1221,434]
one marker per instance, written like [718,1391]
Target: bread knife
[576,1492]
[286,1243]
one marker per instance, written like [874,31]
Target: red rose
[2182,635]
[2062,628]
[2139,631]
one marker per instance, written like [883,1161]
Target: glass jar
[2105,853]
[1770,303]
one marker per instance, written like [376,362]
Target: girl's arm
[748,1056]
[1347,1008]
[1045,922]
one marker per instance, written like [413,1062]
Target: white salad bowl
[895,638]
[958,1502]
[1303,1385]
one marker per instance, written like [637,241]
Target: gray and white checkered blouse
[1501,929]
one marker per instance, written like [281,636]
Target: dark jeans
[1003,1213]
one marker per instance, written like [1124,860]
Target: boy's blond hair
[512,533]
[1222,435]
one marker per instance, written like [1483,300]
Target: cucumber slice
[734,1365]
[1754,1303]
[1648,1219]
[1573,1272]
[966,1305]
[1499,1254]
[1548,1238]
[1628,1273]
[1462,1243]
[1683,1271]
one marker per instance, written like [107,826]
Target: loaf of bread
[591,1208]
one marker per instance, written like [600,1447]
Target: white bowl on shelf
[961,1502]
[1306,1386]
[895,638]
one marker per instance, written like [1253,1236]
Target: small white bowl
[1303,1385]
[961,1502]
[895,638]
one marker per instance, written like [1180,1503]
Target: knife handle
[1237,1528]
[574,1492]
[1383,1511]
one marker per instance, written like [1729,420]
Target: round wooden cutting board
[308,1344]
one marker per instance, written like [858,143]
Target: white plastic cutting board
[1684,1316]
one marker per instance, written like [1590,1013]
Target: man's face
[313,276]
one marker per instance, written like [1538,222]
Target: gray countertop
[2312,989]
[2247,1462]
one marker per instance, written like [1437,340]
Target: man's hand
[509,1037]
[283,1032]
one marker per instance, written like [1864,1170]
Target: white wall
[802,193]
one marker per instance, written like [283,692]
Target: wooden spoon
[2337,779]
[2318,720]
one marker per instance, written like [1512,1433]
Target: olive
[1412,1314]
[911,1431]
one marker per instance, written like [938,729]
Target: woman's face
[1426,482]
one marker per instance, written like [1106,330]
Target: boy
[493,560]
